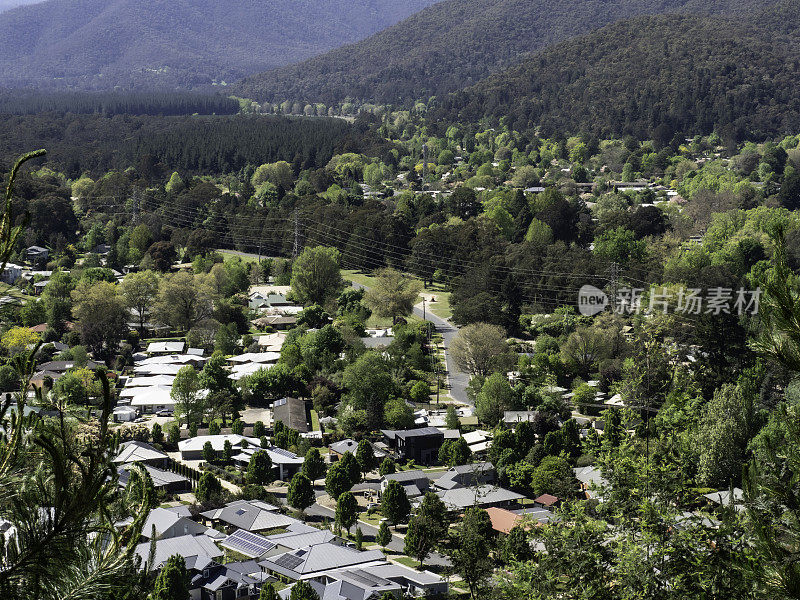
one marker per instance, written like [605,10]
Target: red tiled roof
[546,500]
[503,520]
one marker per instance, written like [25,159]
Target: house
[250,515]
[351,584]
[284,463]
[724,498]
[588,477]
[503,521]
[415,483]
[413,582]
[292,413]
[11,273]
[231,581]
[461,498]
[338,449]
[276,321]
[467,476]
[258,546]
[536,515]
[167,523]
[478,441]
[256,357]
[62,366]
[241,371]
[140,452]
[317,560]
[153,399]
[192,449]
[199,551]
[165,347]
[512,417]
[37,253]
[547,501]
[420,445]
[299,536]
[271,342]
[124,414]
[170,482]
[173,359]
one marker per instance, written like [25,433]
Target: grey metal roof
[134,451]
[462,497]
[319,558]
[187,546]
[250,515]
[302,539]
[415,475]
[420,432]
[394,572]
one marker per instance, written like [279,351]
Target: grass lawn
[315,421]
[374,519]
[407,561]
[441,308]
[227,256]
[13,291]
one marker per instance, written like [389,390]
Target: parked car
[165,412]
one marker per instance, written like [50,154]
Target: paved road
[458,380]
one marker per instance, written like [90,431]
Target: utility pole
[424,317]
[614,272]
[296,248]
[424,165]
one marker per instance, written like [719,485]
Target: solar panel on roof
[365,578]
[247,542]
[283,452]
[288,561]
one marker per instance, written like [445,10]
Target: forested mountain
[98,44]
[451,45]
[8,4]
[662,74]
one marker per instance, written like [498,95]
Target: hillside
[97,44]
[685,73]
[451,45]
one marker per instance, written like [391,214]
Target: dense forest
[96,143]
[451,45]
[31,102]
[100,44]
[665,73]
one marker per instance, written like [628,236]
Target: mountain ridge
[451,45]
[671,73]
[100,44]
